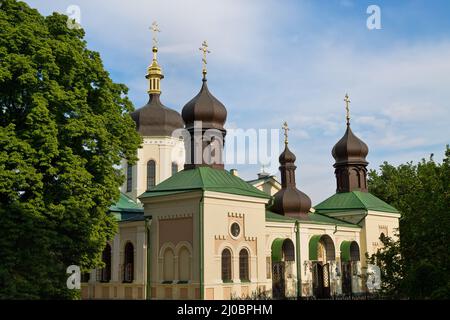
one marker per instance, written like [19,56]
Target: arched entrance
[350,255]
[283,258]
[321,252]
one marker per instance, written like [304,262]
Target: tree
[64,128]
[390,261]
[421,192]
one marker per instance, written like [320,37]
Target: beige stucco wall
[181,210]
[133,232]
[220,211]
[375,223]
[164,151]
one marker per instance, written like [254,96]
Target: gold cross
[155,28]
[347,102]
[286,129]
[205,50]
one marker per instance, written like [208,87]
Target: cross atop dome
[204,49]
[347,102]
[154,71]
[286,130]
[155,29]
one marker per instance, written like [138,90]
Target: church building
[190,229]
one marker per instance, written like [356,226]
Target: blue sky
[273,61]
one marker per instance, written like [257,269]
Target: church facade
[189,229]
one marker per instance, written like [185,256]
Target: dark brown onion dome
[350,149]
[155,119]
[290,201]
[350,155]
[206,108]
[286,156]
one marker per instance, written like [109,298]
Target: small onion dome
[155,119]
[350,149]
[287,156]
[206,108]
[291,202]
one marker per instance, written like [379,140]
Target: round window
[235,229]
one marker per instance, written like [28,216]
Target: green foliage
[390,261]
[64,128]
[422,194]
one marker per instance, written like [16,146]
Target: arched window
[106,270]
[128,263]
[288,250]
[226,265]
[85,276]
[243,265]
[151,174]
[326,249]
[354,251]
[174,168]
[129,177]
[184,265]
[168,265]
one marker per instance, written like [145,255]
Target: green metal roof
[126,204]
[272,216]
[355,200]
[263,179]
[313,218]
[127,210]
[317,218]
[127,216]
[206,179]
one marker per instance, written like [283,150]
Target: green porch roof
[206,179]
[355,200]
[127,210]
[313,218]
[126,204]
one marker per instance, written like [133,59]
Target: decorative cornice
[166,141]
[175,216]
[236,215]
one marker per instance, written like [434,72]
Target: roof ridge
[359,199]
[334,218]
[202,179]
[128,198]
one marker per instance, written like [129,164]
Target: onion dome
[350,165]
[205,114]
[350,149]
[155,119]
[287,156]
[290,201]
[206,108]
